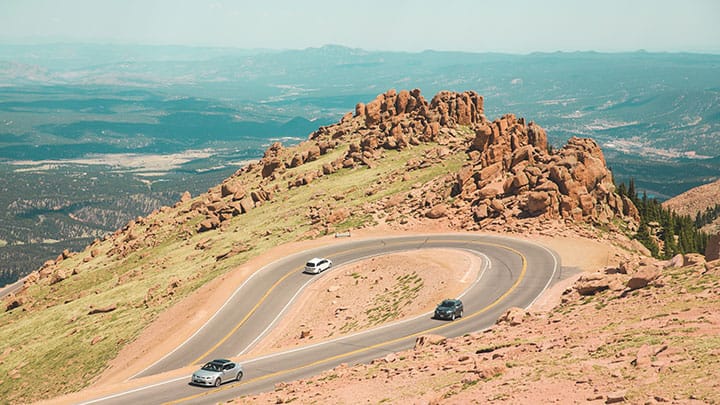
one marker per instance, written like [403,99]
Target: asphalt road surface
[11,288]
[514,274]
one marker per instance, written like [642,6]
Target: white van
[317,265]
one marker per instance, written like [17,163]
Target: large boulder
[513,316]
[429,340]
[230,188]
[644,276]
[436,212]
[271,165]
[592,283]
[538,202]
[208,224]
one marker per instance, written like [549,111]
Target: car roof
[221,361]
[451,301]
[315,260]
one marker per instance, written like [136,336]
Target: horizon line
[332,45]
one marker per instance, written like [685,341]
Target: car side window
[229,366]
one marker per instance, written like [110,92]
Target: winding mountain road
[514,274]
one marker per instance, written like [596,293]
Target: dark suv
[449,309]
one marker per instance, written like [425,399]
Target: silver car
[216,372]
[317,265]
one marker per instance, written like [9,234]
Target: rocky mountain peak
[510,174]
[446,108]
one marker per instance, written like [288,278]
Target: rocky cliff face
[510,173]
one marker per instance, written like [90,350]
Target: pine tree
[679,233]
[622,190]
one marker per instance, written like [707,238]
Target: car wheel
[218,382]
[461,313]
[239,376]
[452,318]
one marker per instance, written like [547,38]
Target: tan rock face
[510,175]
[712,251]
[396,120]
[573,183]
[513,316]
[643,277]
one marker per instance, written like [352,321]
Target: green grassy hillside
[52,334]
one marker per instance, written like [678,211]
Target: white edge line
[227,302]
[552,277]
[282,312]
[486,266]
[120,394]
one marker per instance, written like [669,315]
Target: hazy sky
[516,26]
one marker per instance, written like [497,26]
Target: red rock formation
[572,183]
[397,120]
[510,172]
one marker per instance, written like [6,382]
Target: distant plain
[93,136]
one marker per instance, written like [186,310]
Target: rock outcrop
[511,174]
[397,120]
[572,183]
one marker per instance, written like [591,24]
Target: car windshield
[447,304]
[310,264]
[211,367]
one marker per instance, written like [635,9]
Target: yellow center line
[377,345]
[257,305]
[252,311]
